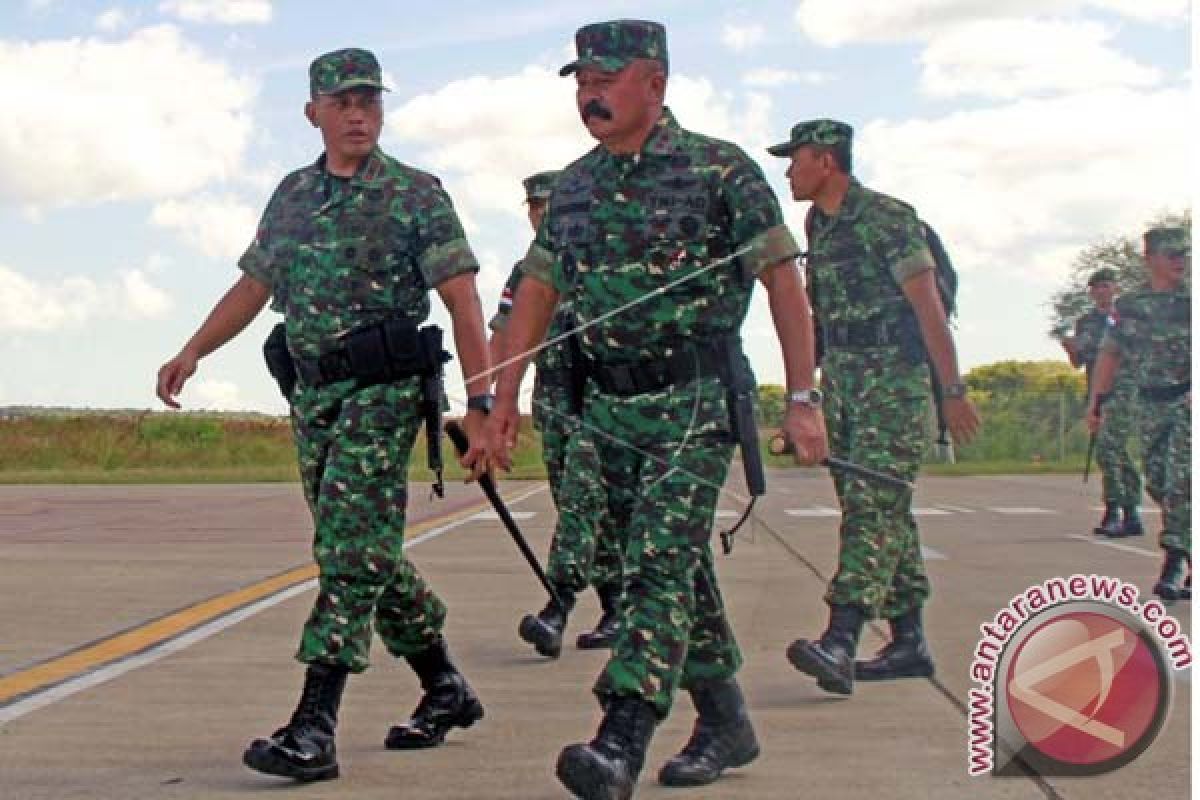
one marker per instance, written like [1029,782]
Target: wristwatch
[956,390]
[481,402]
[806,397]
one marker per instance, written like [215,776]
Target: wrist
[805,398]
[481,402]
[955,391]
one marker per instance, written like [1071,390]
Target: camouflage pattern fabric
[819,132]
[612,45]
[877,415]
[579,555]
[338,254]
[1122,481]
[877,398]
[618,227]
[539,185]
[584,551]
[1153,336]
[344,69]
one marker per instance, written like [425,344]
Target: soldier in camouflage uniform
[579,557]
[1122,481]
[871,278]
[353,240]
[1153,341]
[664,231]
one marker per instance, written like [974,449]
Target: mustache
[595,108]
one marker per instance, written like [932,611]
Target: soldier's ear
[310,112]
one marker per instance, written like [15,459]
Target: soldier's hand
[804,428]
[1092,419]
[475,459]
[962,420]
[173,375]
[500,433]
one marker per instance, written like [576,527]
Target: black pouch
[279,360]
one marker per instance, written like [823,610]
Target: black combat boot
[1110,523]
[544,630]
[448,702]
[830,659]
[722,738]
[606,629]
[1171,583]
[304,749]
[607,767]
[1131,525]
[905,656]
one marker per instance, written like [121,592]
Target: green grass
[128,448]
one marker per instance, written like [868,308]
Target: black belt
[336,366]
[1164,394]
[559,378]
[683,366]
[867,333]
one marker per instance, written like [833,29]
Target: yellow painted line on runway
[143,637]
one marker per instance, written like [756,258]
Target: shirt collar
[665,137]
[369,173]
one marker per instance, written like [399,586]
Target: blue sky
[139,142]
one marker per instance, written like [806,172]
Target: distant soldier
[1122,481]
[658,236]
[872,277]
[1152,339]
[348,249]
[579,554]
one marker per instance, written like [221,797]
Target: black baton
[779,445]
[1087,462]
[459,437]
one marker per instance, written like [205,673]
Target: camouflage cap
[344,69]
[825,132]
[1169,241]
[539,185]
[1102,275]
[612,45]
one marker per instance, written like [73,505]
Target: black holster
[740,393]
[279,360]
[432,401]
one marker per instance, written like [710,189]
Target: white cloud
[28,305]
[1005,183]
[477,133]
[835,22]
[768,77]
[481,128]
[742,37]
[219,227]
[143,300]
[113,19]
[226,12]
[214,395]
[979,58]
[148,116]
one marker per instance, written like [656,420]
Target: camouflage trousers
[354,448]
[662,484]
[580,555]
[876,413]
[1167,458]
[1122,481]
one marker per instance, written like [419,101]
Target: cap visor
[783,149]
[356,84]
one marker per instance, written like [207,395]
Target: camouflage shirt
[339,253]
[554,357]
[860,256]
[1153,336]
[621,226]
[1089,333]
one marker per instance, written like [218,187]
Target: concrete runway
[147,635]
